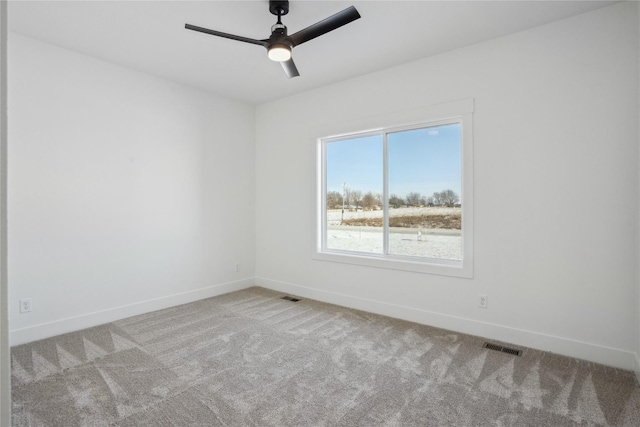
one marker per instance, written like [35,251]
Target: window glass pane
[424,170]
[354,177]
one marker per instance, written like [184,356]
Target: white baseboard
[559,345]
[564,346]
[49,329]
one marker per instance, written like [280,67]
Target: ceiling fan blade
[226,35]
[290,68]
[329,24]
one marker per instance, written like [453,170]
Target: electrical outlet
[25,305]
[482,301]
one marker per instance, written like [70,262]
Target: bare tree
[378,199]
[437,199]
[334,199]
[413,199]
[369,201]
[449,198]
[355,197]
[395,201]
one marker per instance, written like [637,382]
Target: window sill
[442,268]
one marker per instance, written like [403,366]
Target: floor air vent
[292,299]
[502,349]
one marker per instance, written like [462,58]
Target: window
[399,196]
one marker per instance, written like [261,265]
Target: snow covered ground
[432,243]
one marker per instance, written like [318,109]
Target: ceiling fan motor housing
[279,7]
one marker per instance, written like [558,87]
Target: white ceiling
[149,36]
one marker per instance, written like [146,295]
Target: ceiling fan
[279,44]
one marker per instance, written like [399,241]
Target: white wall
[5,356]
[127,193]
[556,188]
[638,231]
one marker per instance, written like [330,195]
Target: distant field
[427,217]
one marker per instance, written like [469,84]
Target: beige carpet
[250,358]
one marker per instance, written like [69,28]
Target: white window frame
[454,112]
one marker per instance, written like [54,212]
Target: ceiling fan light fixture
[279,52]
